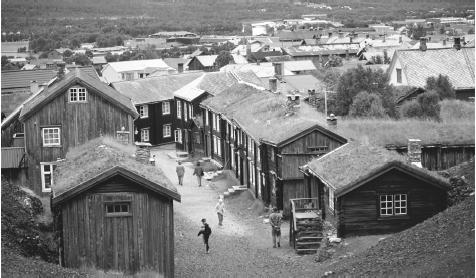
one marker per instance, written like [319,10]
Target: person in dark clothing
[206,232]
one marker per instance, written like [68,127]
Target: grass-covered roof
[97,156]
[262,114]
[354,162]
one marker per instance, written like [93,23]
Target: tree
[67,53]
[4,60]
[425,106]
[441,85]
[224,58]
[411,109]
[417,32]
[110,58]
[79,59]
[365,105]
[358,79]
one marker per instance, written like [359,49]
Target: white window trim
[167,131]
[44,129]
[179,109]
[43,172]
[393,204]
[75,91]
[144,111]
[166,108]
[207,122]
[143,133]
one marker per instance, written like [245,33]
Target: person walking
[199,173]
[275,219]
[206,232]
[180,172]
[220,209]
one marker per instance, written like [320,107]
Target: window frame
[391,206]
[178,135]
[119,213]
[52,167]
[399,75]
[165,128]
[143,132]
[143,111]
[166,108]
[207,120]
[331,199]
[179,109]
[76,92]
[43,129]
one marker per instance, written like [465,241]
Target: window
[118,209]
[179,109]
[127,76]
[46,176]
[391,205]
[144,111]
[214,121]
[51,136]
[216,145]
[217,126]
[178,135]
[141,75]
[207,122]
[77,95]
[167,131]
[165,108]
[331,199]
[144,135]
[271,153]
[399,75]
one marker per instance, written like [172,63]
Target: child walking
[206,232]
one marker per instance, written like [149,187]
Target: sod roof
[353,163]
[262,114]
[385,132]
[101,155]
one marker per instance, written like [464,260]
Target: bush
[426,106]
[411,109]
[442,86]
[367,106]
[456,110]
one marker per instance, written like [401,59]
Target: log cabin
[75,108]
[264,140]
[154,101]
[190,134]
[363,190]
[115,213]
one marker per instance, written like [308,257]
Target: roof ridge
[468,63]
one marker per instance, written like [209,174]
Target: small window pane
[124,208]
[110,208]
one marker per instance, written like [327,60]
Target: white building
[131,70]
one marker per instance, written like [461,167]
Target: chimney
[143,152]
[34,87]
[341,35]
[350,39]
[383,40]
[292,103]
[400,39]
[330,34]
[273,84]
[295,98]
[423,44]
[332,121]
[60,71]
[443,42]
[248,50]
[312,98]
[180,67]
[278,69]
[414,152]
[457,43]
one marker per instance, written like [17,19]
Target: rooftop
[138,65]
[22,78]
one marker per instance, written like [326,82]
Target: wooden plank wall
[7,133]
[79,123]
[12,157]
[360,208]
[293,189]
[142,241]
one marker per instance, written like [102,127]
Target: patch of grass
[453,111]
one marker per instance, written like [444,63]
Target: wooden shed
[365,190]
[112,212]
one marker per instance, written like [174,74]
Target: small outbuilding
[364,190]
[113,212]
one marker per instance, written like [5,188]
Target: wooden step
[306,251]
[308,238]
[306,243]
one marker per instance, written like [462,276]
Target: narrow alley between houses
[242,247]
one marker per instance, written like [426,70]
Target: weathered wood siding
[13,157]
[142,241]
[441,157]
[293,189]
[360,208]
[79,123]
[156,121]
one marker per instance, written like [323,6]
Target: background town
[355,119]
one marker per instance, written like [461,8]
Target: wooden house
[364,190]
[189,137]
[412,67]
[154,101]
[265,143]
[112,212]
[132,70]
[75,108]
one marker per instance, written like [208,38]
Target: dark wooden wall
[156,121]
[441,157]
[360,208]
[142,241]
[79,123]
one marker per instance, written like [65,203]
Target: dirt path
[240,248]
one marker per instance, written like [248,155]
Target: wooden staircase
[305,228]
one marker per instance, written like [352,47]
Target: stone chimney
[292,104]
[278,69]
[341,35]
[180,67]
[423,44]
[123,136]
[61,72]
[273,84]
[414,152]
[443,42]
[312,97]
[330,34]
[383,39]
[457,43]
[34,87]
[350,39]
[143,152]
[400,39]
[332,121]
